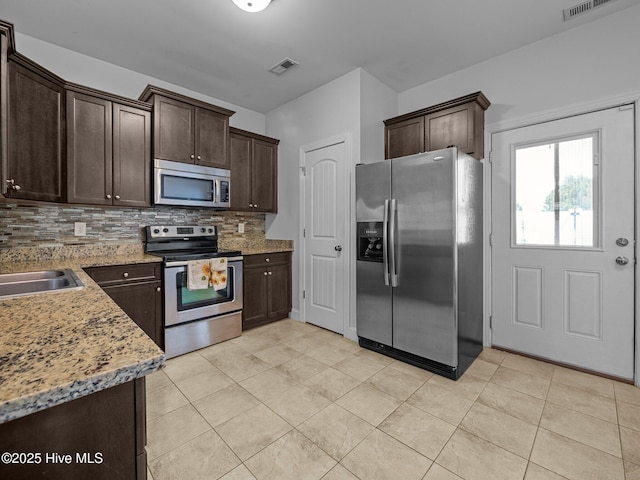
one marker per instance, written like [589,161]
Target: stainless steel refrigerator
[419,259]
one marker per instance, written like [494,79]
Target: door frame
[348,321]
[557,114]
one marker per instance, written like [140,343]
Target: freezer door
[424,299]
[373,297]
[373,187]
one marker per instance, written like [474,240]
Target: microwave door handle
[216,189]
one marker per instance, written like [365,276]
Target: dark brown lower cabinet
[136,289]
[267,288]
[99,437]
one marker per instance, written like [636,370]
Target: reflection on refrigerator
[419,259]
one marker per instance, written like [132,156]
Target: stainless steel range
[196,317]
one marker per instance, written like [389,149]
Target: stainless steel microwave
[185,184]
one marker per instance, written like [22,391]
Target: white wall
[355,105]
[326,112]
[377,103]
[596,60]
[91,72]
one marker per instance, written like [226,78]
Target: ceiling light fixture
[252,5]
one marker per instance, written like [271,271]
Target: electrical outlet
[241,228]
[80,229]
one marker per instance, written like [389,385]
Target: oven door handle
[182,263]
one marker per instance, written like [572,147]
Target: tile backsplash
[53,225]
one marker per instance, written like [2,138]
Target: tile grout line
[486,382]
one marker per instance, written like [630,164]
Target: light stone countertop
[56,347]
[254,247]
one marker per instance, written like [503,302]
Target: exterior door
[563,241]
[326,206]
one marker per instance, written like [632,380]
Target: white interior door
[563,240]
[326,207]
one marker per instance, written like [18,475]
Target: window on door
[556,193]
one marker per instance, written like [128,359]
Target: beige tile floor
[293,401]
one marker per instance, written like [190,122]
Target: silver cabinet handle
[199,157]
[255,205]
[117,197]
[622,260]
[13,186]
[158,289]
[265,274]
[338,248]
[251,205]
[270,273]
[267,260]
[108,196]
[192,157]
[125,275]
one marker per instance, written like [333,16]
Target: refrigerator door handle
[392,243]
[385,242]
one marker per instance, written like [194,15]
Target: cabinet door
[131,156]
[254,310]
[264,176]
[452,127]
[404,138]
[89,149]
[240,172]
[143,303]
[279,292]
[36,136]
[173,130]
[212,139]
[4,110]
[110,422]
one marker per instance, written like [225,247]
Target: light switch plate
[80,229]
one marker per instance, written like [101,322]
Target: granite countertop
[254,247]
[55,347]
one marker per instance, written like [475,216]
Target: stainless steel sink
[44,281]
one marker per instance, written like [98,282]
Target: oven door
[183,305]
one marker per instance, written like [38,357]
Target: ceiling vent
[583,7]
[284,65]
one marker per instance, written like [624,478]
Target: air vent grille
[283,65]
[583,7]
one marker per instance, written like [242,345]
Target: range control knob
[211,230]
[156,230]
[203,230]
[165,230]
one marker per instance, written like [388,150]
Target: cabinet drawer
[114,274]
[266,259]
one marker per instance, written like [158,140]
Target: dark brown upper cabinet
[35,133]
[456,123]
[187,130]
[108,149]
[254,172]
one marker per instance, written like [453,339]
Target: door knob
[338,248]
[622,260]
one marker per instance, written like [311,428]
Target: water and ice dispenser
[370,241]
